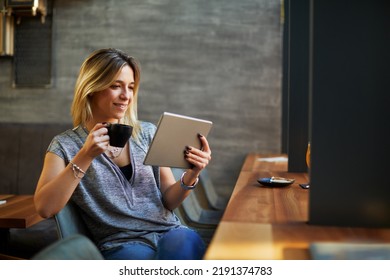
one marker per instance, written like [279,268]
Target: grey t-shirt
[117,210]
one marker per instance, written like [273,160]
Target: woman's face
[110,105]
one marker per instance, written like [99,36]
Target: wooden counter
[271,223]
[18,212]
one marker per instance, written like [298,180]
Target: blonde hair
[97,73]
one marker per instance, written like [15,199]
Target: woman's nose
[126,94]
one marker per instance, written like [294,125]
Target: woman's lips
[120,106]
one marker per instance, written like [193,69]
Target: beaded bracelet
[184,186]
[77,171]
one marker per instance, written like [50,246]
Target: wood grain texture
[272,223]
[18,212]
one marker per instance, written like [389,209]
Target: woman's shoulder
[65,143]
[69,134]
[146,134]
[147,127]
[71,138]
[147,131]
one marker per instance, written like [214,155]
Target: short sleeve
[56,148]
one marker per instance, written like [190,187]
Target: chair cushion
[74,247]
[24,243]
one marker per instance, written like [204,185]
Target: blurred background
[219,60]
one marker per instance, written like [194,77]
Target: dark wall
[350,115]
[295,117]
[219,60]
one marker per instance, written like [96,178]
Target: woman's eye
[115,86]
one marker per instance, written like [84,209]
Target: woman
[127,206]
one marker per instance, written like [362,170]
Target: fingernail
[200,135]
[186,152]
[188,148]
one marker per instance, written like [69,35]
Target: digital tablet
[174,133]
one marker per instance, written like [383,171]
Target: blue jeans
[176,244]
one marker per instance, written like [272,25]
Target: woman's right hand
[97,141]
[58,182]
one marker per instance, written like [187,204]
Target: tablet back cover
[174,133]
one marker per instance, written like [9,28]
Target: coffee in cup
[119,134]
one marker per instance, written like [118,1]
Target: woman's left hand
[199,159]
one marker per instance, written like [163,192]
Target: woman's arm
[58,182]
[173,193]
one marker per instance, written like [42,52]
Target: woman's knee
[182,243]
